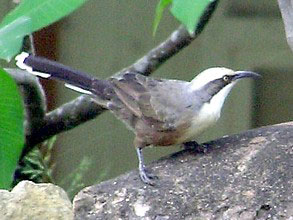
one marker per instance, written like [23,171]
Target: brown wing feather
[133,92]
[129,100]
[163,104]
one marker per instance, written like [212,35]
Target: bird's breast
[205,118]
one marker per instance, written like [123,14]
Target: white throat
[218,100]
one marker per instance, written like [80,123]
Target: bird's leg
[193,145]
[144,176]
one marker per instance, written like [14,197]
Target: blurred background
[105,36]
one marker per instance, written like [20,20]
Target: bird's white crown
[209,75]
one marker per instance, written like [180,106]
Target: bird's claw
[147,177]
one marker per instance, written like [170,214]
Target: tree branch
[33,98]
[178,40]
[64,118]
[84,108]
[286,9]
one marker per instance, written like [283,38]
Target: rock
[244,176]
[30,201]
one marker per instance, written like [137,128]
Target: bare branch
[65,118]
[178,40]
[286,9]
[33,97]
[83,108]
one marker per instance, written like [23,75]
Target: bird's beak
[246,74]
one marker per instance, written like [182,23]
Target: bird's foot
[147,177]
[196,147]
[144,175]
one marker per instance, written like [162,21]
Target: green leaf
[11,128]
[188,12]
[159,12]
[11,37]
[42,12]
[34,15]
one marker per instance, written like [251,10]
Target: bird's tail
[45,68]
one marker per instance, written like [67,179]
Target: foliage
[27,17]
[188,12]
[30,16]
[11,128]
[159,12]
[36,165]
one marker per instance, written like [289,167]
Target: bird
[160,112]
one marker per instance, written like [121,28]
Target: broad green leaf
[42,12]
[159,12]
[188,12]
[11,128]
[11,37]
[39,13]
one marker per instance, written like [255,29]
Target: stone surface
[30,201]
[244,176]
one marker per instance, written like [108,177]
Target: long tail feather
[45,68]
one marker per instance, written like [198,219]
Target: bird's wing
[132,91]
[163,101]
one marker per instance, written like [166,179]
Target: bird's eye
[226,78]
